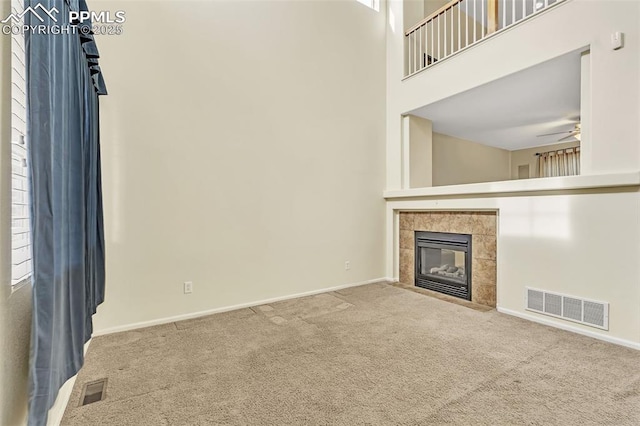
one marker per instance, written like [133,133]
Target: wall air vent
[587,312]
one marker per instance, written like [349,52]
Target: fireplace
[443,263]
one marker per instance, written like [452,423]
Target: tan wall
[15,309]
[430,6]
[443,43]
[457,161]
[412,12]
[421,152]
[527,156]
[253,170]
[444,38]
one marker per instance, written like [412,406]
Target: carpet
[370,355]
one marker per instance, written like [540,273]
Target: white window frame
[21,253]
[372,4]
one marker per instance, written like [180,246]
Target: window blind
[20,226]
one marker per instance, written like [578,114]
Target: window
[20,226]
[373,4]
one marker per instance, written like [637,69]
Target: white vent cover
[587,312]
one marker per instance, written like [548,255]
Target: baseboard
[56,412]
[62,400]
[192,315]
[571,328]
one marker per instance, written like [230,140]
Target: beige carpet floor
[370,355]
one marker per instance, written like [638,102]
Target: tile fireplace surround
[481,225]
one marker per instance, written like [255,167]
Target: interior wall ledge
[564,183]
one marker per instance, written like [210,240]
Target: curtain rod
[557,150]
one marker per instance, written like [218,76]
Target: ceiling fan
[575,133]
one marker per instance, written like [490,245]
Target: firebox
[443,263]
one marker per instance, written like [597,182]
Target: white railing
[460,24]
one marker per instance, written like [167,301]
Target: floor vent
[587,312]
[93,392]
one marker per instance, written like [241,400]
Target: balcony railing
[460,24]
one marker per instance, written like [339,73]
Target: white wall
[15,309]
[582,243]
[243,150]
[560,242]
[614,83]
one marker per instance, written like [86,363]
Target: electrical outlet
[188,287]
[347,265]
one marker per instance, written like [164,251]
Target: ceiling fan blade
[556,133]
[572,135]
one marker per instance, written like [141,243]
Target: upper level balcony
[458,25]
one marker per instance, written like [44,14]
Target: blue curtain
[63,83]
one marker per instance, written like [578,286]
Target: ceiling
[510,112]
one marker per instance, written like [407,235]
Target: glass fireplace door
[443,263]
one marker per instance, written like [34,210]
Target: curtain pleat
[565,162]
[66,204]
